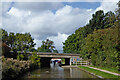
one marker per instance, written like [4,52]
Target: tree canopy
[99,20]
[99,40]
[47,46]
[18,41]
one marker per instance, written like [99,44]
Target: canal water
[56,72]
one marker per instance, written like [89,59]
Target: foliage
[118,11]
[99,20]
[47,46]
[100,47]
[20,57]
[32,50]
[17,42]
[23,42]
[99,40]
[63,61]
[4,36]
[14,68]
[118,27]
[35,59]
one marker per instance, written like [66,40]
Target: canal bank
[103,74]
[100,73]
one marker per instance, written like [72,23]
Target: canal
[56,72]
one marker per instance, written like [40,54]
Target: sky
[50,20]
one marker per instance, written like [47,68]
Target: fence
[80,63]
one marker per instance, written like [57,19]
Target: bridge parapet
[57,55]
[69,54]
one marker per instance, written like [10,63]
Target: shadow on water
[57,73]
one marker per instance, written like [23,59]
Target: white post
[70,61]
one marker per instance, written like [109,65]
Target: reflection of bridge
[46,57]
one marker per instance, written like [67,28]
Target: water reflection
[57,73]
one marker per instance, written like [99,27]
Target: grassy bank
[99,73]
[115,70]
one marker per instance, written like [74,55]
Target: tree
[32,49]
[100,20]
[11,40]
[23,42]
[97,21]
[109,19]
[47,46]
[74,41]
[18,41]
[4,36]
[101,47]
[118,11]
[117,24]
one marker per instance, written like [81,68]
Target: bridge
[57,55]
[46,57]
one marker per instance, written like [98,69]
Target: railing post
[70,61]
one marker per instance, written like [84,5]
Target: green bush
[13,68]
[20,57]
[35,59]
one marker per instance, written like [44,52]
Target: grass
[63,61]
[97,72]
[115,70]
